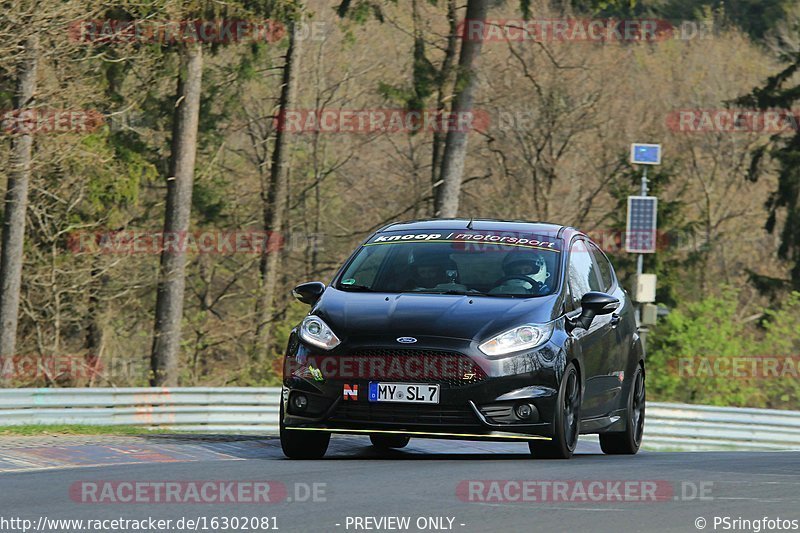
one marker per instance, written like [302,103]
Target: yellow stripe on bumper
[425,433]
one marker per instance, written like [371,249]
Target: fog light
[525,411]
[299,402]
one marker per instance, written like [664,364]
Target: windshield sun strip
[466,242]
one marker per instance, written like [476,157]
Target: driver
[528,265]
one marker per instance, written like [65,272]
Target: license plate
[403,392]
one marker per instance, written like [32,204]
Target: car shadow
[357,448]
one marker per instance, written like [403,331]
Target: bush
[268,374]
[704,353]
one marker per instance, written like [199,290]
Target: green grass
[76,429]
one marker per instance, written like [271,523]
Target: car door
[610,384]
[583,277]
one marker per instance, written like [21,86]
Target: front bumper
[477,397]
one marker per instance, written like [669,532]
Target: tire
[384,442]
[303,444]
[567,420]
[627,442]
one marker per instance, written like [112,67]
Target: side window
[582,273]
[603,266]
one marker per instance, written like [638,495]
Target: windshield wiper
[470,292]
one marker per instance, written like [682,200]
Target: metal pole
[644,182]
[643,192]
[640,266]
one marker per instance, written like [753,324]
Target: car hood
[352,314]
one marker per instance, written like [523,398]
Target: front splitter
[428,434]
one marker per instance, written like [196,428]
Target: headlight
[315,331]
[519,338]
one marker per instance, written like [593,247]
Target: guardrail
[704,427]
[255,410]
[229,409]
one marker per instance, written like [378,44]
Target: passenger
[430,272]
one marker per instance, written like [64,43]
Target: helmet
[532,265]
[434,269]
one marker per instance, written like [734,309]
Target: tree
[443,79]
[428,80]
[172,282]
[448,190]
[16,203]
[449,148]
[758,18]
[781,92]
[276,196]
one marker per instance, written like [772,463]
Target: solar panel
[640,237]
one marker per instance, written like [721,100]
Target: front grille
[451,369]
[424,415]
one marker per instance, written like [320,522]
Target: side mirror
[593,304]
[309,293]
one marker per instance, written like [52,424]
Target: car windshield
[503,264]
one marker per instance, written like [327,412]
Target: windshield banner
[473,240]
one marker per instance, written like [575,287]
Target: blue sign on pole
[645,154]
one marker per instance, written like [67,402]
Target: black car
[462,329]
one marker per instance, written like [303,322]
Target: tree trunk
[169,301]
[16,205]
[443,91]
[275,206]
[448,192]
[94,329]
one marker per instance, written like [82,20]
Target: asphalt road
[430,479]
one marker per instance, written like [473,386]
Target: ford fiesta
[479,330]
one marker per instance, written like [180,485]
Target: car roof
[482,224]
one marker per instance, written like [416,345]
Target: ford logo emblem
[407,340]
